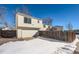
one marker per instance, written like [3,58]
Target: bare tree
[3,11]
[23,9]
[70,26]
[48,21]
[14,16]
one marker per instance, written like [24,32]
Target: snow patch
[67,49]
[38,45]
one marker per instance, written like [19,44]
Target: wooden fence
[7,33]
[67,36]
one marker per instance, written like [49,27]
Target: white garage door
[28,33]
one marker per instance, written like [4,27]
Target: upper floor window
[27,20]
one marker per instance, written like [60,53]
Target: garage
[23,34]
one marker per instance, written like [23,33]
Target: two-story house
[27,26]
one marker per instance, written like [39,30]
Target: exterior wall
[25,30]
[28,33]
[25,33]
[19,33]
[34,22]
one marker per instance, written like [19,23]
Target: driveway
[35,46]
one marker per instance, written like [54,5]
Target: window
[44,26]
[27,20]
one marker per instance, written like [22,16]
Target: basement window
[27,20]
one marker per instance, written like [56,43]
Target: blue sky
[60,13]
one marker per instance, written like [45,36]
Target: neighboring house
[6,28]
[57,28]
[76,31]
[27,26]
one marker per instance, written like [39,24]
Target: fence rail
[7,33]
[67,36]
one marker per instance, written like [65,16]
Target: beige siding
[35,24]
[30,29]
[19,33]
[21,22]
[26,33]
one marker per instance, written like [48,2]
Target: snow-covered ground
[38,46]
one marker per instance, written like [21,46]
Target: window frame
[27,20]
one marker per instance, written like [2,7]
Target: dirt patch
[5,40]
